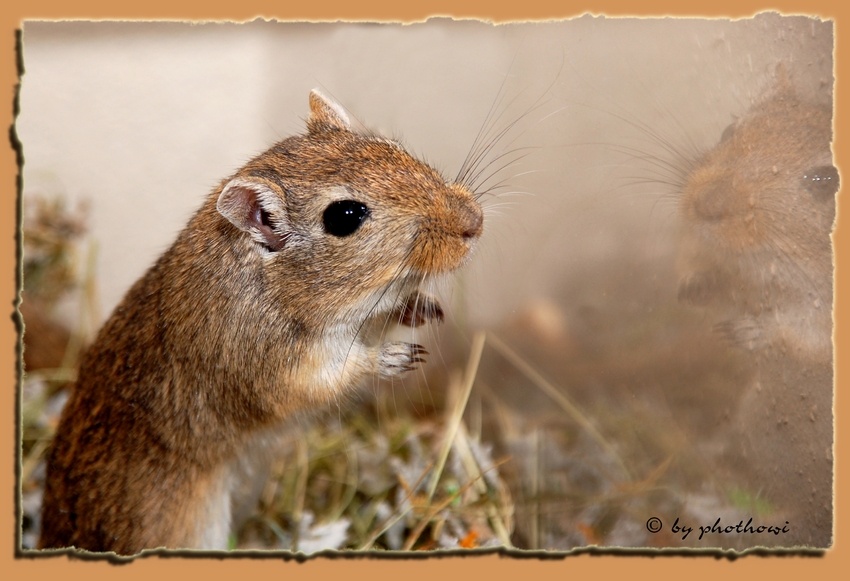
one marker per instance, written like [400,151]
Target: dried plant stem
[32,459]
[535,489]
[350,485]
[457,414]
[474,470]
[410,490]
[389,524]
[433,511]
[300,490]
[563,401]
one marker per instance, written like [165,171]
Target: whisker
[475,184]
[471,170]
[494,106]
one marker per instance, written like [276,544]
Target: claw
[399,357]
[698,288]
[420,309]
[745,333]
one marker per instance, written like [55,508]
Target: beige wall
[144,119]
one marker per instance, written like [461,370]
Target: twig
[468,380]
[568,406]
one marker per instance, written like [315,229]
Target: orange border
[485,566]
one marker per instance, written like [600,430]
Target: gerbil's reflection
[716,403]
[757,213]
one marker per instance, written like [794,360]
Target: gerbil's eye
[344,217]
[822,181]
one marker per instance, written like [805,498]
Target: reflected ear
[255,208]
[326,114]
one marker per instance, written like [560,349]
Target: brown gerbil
[758,210]
[273,300]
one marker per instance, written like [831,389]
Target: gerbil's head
[348,215]
[768,188]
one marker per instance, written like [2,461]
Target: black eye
[344,217]
[822,181]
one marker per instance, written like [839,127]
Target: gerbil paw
[697,288]
[420,309]
[399,357]
[745,333]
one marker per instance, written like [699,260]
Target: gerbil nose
[472,222]
[467,216]
[715,200]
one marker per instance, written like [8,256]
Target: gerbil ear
[255,208]
[326,114]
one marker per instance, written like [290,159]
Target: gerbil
[272,301]
[758,210]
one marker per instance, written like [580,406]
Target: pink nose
[467,217]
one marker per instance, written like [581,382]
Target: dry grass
[375,481]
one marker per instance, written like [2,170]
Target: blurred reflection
[757,214]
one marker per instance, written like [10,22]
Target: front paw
[698,288]
[746,333]
[420,309]
[398,357]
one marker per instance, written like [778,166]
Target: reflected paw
[698,288]
[746,333]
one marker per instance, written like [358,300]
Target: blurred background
[599,400]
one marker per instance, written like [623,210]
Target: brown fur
[758,210]
[254,314]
